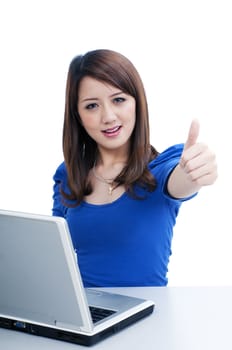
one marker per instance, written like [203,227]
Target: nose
[108,115]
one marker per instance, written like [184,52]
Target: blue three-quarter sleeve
[60,179]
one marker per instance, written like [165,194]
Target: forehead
[93,87]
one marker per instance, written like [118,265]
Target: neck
[108,182]
[109,158]
[100,177]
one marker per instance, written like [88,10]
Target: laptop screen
[38,272]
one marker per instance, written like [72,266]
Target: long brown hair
[80,150]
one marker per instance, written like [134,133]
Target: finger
[193,134]
[205,175]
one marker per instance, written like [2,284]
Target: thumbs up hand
[197,161]
[197,166]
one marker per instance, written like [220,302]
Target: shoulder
[165,162]
[60,173]
[60,176]
[168,154]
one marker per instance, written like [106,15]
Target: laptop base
[72,337]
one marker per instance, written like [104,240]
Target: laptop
[42,292]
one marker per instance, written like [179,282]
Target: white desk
[185,318]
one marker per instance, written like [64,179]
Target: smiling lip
[112,131]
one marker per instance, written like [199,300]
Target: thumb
[193,134]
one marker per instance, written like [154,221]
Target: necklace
[109,182]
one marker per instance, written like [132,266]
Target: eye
[91,106]
[119,99]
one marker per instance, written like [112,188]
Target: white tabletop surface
[185,318]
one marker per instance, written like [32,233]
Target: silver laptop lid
[39,277]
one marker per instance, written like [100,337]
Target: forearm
[180,184]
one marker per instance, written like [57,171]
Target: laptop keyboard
[99,314]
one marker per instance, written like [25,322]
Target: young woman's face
[107,114]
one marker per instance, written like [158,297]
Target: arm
[59,178]
[197,167]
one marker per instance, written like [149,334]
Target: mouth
[112,131]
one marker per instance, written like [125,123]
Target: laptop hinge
[70,326]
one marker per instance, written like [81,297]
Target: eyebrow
[96,98]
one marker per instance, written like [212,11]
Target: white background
[183,51]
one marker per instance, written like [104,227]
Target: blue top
[126,242]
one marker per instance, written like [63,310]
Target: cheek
[132,108]
[131,115]
[84,118]
[87,121]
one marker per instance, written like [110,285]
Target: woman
[119,195]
